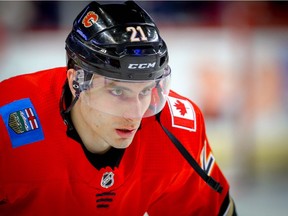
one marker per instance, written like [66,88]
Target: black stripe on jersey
[103,199]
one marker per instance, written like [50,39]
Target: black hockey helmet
[118,40]
[120,43]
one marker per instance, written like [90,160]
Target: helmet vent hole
[115,63]
[162,60]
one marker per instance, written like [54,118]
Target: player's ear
[71,74]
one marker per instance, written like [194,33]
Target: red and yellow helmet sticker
[90,18]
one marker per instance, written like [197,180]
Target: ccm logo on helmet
[142,65]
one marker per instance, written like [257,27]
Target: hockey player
[121,142]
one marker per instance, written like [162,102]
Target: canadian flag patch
[182,114]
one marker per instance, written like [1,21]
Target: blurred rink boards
[240,81]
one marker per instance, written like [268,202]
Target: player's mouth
[125,133]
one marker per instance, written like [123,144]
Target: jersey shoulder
[35,84]
[184,119]
[29,102]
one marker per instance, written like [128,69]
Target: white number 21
[134,37]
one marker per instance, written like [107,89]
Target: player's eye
[116,92]
[146,92]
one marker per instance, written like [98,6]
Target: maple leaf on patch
[181,107]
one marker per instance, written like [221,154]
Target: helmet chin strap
[76,87]
[71,105]
[64,112]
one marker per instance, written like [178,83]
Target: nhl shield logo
[107,179]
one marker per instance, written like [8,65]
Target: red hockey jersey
[44,172]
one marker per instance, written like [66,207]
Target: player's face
[127,101]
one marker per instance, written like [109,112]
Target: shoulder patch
[182,114]
[22,122]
